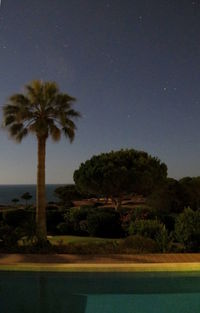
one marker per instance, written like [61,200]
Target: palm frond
[19,100]
[23,133]
[69,123]
[73,113]
[64,101]
[10,109]
[69,133]
[9,119]
[15,129]
[43,110]
[55,132]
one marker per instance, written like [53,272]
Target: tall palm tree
[43,110]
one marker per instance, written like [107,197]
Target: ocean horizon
[11,191]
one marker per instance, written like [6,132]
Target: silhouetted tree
[15,200]
[118,173]
[26,196]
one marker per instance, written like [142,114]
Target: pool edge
[109,267]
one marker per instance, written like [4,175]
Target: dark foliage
[104,224]
[67,194]
[139,244]
[119,173]
[18,217]
[54,218]
[146,228]
[187,229]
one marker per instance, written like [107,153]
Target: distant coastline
[11,191]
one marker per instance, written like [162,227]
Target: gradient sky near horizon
[133,65]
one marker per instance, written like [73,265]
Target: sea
[9,192]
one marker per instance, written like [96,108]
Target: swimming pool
[96,292]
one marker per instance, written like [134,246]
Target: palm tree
[43,110]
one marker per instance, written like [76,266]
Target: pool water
[42,292]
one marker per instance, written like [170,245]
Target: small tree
[26,196]
[119,173]
[15,200]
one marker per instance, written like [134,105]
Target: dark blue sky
[133,65]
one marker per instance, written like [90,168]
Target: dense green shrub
[52,207]
[138,244]
[191,192]
[65,228]
[187,229]
[164,240]
[75,217]
[16,217]
[142,213]
[9,235]
[54,218]
[104,224]
[146,228]
[167,198]
[168,220]
[125,217]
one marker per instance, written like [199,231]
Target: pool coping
[110,267]
[99,263]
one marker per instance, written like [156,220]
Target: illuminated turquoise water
[35,292]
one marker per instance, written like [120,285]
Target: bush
[51,207]
[138,244]
[163,240]
[15,218]
[187,229]
[142,213]
[9,236]
[54,218]
[65,228]
[75,216]
[146,228]
[126,218]
[104,224]
[168,220]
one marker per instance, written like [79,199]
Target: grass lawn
[56,240]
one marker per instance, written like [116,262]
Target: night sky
[133,65]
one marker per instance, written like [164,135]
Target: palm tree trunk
[41,201]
